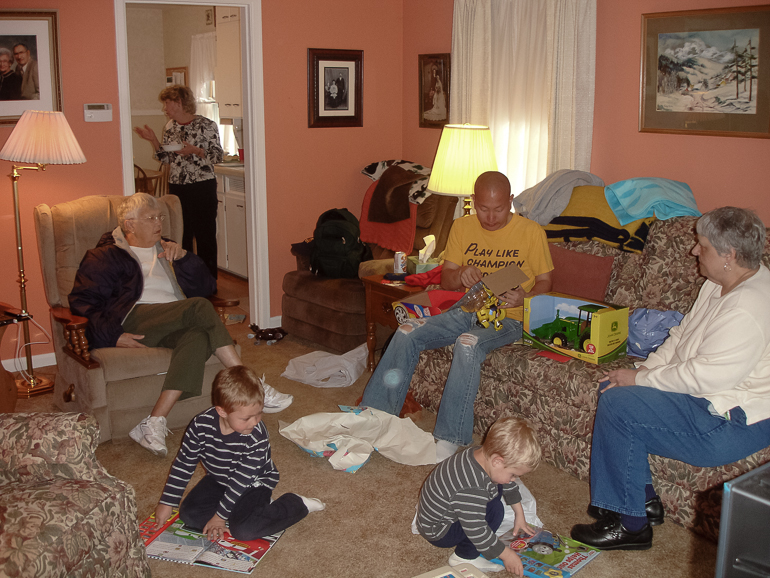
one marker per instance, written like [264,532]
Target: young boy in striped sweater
[232,443]
[460,502]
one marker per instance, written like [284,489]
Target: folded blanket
[550,197]
[640,198]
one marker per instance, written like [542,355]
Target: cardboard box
[413,266]
[424,304]
[428,303]
[593,331]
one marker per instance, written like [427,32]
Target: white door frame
[253,135]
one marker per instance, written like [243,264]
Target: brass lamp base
[40,386]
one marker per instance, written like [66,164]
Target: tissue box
[413,266]
[593,331]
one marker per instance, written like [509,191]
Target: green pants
[191,328]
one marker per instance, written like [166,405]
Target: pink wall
[720,170]
[88,75]
[312,170]
[427,30]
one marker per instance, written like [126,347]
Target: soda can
[399,262]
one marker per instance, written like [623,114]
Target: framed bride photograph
[433,83]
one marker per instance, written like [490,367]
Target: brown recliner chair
[117,385]
[332,312]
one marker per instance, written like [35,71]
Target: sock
[649,492]
[632,523]
[444,450]
[312,504]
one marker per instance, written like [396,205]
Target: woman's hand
[215,528]
[620,377]
[148,134]
[191,150]
[171,251]
[129,340]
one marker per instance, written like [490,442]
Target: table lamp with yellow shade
[465,151]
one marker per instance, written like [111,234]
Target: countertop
[229,169]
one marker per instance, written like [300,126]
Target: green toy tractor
[569,332]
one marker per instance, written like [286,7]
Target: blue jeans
[456,538]
[389,383]
[634,421]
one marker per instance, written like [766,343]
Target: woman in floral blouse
[191,176]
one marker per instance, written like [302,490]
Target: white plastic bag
[321,369]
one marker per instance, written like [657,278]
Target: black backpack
[336,248]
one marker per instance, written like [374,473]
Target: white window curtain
[525,68]
[203,60]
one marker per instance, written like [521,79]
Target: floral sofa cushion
[61,512]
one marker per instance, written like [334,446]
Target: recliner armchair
[119,386]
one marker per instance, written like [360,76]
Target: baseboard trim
[38,361]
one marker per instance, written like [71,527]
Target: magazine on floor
[175,542]
[550,550]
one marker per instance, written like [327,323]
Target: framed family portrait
[434,89]
[29,63]
[335,88]
[706,72]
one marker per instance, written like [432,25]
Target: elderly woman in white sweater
[702,398]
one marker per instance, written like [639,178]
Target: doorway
[253,138]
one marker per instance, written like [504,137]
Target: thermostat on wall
[97,112]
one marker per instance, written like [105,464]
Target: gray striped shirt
[459,490]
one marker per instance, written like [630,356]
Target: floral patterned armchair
[61,513]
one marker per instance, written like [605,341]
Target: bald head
[492,200]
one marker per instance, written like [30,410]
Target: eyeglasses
[150,219]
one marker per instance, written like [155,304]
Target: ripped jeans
[389,383]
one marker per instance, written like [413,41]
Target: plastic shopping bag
[648,329]
[321,369]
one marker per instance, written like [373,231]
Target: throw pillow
[580,274]
[390,201]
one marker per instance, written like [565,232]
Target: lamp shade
[43,137]
[464,152]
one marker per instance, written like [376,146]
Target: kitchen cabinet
[227,74]
[231,225]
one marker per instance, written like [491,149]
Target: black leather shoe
[653,507]
[609,534]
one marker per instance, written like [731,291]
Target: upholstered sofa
[559,398]
[61,513]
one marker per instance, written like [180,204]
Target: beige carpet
[365,529]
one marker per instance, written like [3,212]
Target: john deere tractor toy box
[593,331]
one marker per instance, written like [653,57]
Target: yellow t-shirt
[521,241]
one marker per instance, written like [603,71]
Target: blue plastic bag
[648,328]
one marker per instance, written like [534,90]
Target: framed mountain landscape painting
[706,72]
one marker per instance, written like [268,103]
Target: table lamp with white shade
[465,151]
[40,138]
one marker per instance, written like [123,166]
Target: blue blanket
[640,198]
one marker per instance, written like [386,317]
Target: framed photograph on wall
[706,72]
[434,76]
[29,63]
[335,88]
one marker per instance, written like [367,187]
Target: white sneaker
[275,401]
[480,563]
[150,433]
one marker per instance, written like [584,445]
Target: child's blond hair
[235,387]
[514,440]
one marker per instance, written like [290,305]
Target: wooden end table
[379,308]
